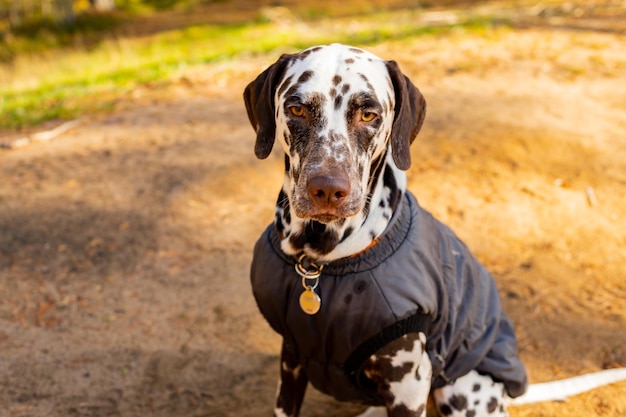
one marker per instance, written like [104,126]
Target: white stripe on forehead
[359,69]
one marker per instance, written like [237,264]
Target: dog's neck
[349,236]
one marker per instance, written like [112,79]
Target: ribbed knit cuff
[416,323]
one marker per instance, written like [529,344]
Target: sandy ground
[125,243]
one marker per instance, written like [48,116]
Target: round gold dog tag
[310,302]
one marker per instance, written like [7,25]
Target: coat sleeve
[503,361]
[267,277]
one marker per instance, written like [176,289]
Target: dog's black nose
[328,191]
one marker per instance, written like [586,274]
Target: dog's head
[335,110]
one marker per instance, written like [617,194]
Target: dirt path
[125,242]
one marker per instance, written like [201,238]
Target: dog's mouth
[325,218]
[325,215]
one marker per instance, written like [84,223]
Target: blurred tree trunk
[61,11]
[15,18]
[64,11]
[102,5]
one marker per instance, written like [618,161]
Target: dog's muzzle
[326,196]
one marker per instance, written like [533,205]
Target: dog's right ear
[259,99]
[409,116]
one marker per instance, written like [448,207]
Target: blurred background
[130,197]
[55,55]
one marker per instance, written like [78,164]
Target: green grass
[62,83]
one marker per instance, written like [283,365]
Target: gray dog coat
[419,277]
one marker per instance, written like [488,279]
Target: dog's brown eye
[368,116]
[297,111]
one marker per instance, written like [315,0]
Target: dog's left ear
[259,99]
[409,115]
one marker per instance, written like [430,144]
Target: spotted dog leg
[291,387]
[472,395]
[401,371]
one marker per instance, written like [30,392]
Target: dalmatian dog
[377,302]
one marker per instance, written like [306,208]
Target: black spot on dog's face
[282,201]
[280,226]
[283,214]
[303,130]
[395,194]
[376,168]
[286,84]
[347,233]
[367,82]
[338,101]
[304,54]
[287,138]
[304,77]
[315,236]
[360,132]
